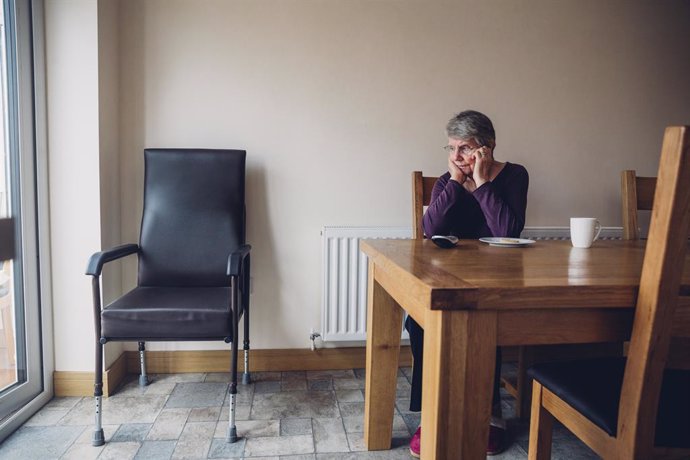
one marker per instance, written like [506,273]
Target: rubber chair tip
[98,438]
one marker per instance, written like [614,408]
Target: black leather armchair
[193,273]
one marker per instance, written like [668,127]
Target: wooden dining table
[472,298]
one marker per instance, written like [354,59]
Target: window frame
[28,21]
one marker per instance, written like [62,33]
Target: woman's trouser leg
[417,345]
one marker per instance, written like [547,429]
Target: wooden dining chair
[636,407]
[637,194]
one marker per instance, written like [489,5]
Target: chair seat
[593,388]
[169,313]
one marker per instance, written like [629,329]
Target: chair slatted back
[421,196]
[658,295]
[637,195]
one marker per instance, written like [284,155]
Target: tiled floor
[288,415]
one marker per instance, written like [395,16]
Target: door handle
[6,239]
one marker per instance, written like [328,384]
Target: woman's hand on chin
[456,173]
[483,162]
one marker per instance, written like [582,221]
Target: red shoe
[497,440]
[496,444]
[415,442]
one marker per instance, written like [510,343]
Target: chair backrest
[660,312]
[421,196]
[194,216]
[637,194]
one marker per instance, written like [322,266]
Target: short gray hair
[471,124]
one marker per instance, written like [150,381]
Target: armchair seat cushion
[185,313]
[593,388]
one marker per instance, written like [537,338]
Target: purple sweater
[497,208]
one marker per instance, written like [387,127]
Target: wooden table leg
[384,326]
[459,361]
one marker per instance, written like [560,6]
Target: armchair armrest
[236,258]
[99,259]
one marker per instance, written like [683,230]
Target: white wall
[337,102]
[83,149]
[72,102]
[109,149]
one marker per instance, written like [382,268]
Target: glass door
[21,367]
[8,335]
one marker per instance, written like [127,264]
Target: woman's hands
[456,172]
[472,170]
[483,162]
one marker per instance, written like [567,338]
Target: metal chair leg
[232,427]
[98,436]
[143,378]
[246,377]
[231,435]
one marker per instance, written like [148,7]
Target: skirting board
[167,362]
[66,383]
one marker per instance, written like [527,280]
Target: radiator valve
[312,338]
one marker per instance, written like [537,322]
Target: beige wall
[336,102]
[109,151]
[83,143]
[73,161]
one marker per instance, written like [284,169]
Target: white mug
[584,231]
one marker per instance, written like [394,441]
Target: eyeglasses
[461,149]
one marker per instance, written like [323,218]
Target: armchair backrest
[660,313]
[194,216]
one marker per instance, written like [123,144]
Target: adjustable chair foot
[232,434]
[98,438]
[143,376]
[246,378]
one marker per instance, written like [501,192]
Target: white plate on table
[505,242]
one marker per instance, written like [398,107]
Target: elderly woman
[478,197]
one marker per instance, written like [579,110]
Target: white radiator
[563,233]
[344,294]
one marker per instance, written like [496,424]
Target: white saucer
[505,242]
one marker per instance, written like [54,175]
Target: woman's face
[460,152]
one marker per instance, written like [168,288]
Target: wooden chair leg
[520,384]
[541,427]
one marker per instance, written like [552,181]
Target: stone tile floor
[282,415]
